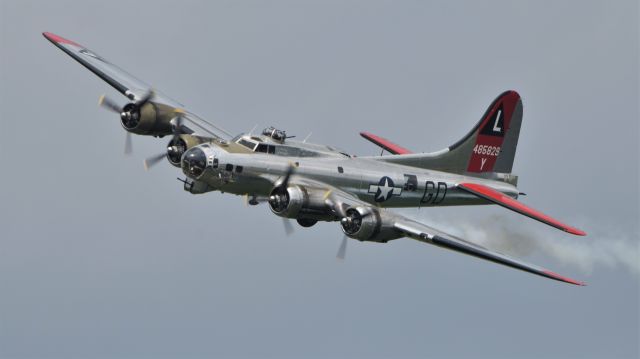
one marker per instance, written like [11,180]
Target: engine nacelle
[150,119]
[179,145]
[367,224]
[298,201]
[288,202]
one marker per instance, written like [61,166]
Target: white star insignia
[384,191]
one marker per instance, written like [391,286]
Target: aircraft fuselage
[379,183]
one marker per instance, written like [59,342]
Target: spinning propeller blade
[288,228]
[153,160]
[177,130]
[109,104]
[128,146]
[342,251]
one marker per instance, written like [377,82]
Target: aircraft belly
[243,186]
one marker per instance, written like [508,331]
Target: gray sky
[100,259]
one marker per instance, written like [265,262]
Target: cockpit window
[265,148]
[248,144]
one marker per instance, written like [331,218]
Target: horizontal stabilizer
[505,201]
[385,144]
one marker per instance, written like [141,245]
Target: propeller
[128,146]
[129,114]
[350,219]
[279,197]
[173,147]
[109,104]
[287,176]
[153,160]
[338,209]
[342,251]
[288,228]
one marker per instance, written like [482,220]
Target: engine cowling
[368,224]
[297,201]
[149,119]
[179,145]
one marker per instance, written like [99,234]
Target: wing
[510,203]
[423,233]
[128,85]
[433,236]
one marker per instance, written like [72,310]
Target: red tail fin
[491,133]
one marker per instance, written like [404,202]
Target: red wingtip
[564,279]
[576,231]
[59,39]
[514,205]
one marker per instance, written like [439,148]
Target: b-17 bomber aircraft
[311,182]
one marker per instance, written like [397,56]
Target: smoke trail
[607,248]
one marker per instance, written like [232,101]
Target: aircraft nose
[194,162]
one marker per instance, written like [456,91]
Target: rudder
[491,145]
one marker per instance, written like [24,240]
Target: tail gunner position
[311,182]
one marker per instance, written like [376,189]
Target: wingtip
[557,276]
[59,39]
[576,231]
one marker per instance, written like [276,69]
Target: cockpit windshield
[246,143]
[270,146]
[256,146]
[265,148]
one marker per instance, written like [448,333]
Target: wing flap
[505,201]
[430,235]
[385,144]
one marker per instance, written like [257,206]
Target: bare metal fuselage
[312,182]
[376,182]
